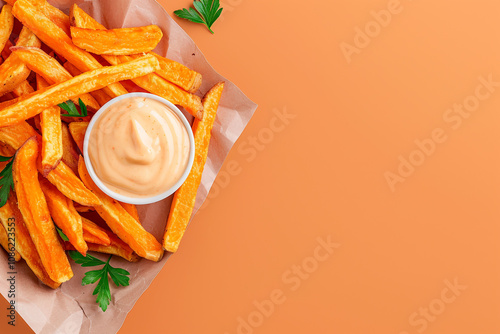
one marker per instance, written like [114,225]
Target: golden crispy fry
[50,69]
[123,41]
[116,247]
[35,212]
[16,135]
[70,185]
[99,95]
[94,233]
[65,216]
[24,88]
[132,210]
[13,71]
[6,24]
[7,244]
[185,196]
[6,151]
[83,208]
[5,104]
[34,103]
[52,139]
[24,244]
[77,130]
[170,70]
[157,85]
[57,39]
[121,222]
[70,155]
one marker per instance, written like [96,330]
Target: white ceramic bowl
[138,200]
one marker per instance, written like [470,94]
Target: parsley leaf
[70,107]
[6,180]
[61,234]
[118,276]
[204,11]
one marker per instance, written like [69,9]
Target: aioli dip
[139,147]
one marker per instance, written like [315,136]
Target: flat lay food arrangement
[90,124]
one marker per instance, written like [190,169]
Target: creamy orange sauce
[139,147]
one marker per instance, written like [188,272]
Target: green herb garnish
[6,180]
[70,107]
[61,234]
[118,276]
[205,12]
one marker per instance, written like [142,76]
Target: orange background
[322,174]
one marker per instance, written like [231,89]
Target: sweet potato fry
[70,155]
[121,222]
[83,208]
[65,216]
[57,39]
[70,185]
[132,210]
[50,69]
[157,85]
[94,233]
[6,24]
[52,139]
[16,135]
[8,244]
[178,74]
[77,130]
[24,244]
[99,95]
[13,71]
[185,196]
[53,13]
[170,70]
[35,212]
[116,247]
[6,49]
[34,103]
[24,88]
[123,41]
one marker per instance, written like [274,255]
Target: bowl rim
[138,200]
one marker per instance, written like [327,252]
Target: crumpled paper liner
[72,308]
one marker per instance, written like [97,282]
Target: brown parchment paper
[72,308]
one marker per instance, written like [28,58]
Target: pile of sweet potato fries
[58,58]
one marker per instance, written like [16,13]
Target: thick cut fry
[53,13]
[24,88]
[157,85]
[24,244]
[34,103]
[132,210]
[70,155]
[6,49]
[94,233]
[65,216]
[57,39]
[50,69]
[83,208]
[170,70]
[99,95]
[77,130]
[13,71]
[52,140]
[6,24]
[33,207]
[70,185]
[121,222]
[16,135]
[123,41]
[178,74]
[8,244]
[185,196]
